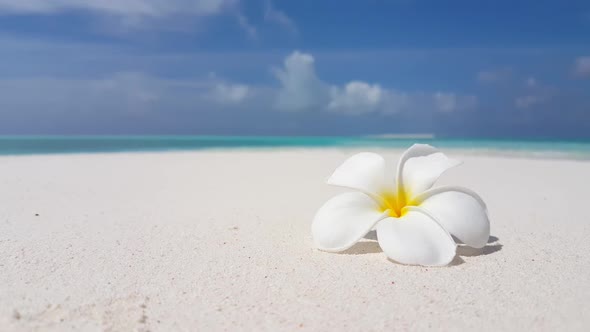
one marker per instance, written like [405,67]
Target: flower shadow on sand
[369,245]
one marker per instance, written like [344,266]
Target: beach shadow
[362,248]
[371,246]
[456,261]
[492,247]
[372,235]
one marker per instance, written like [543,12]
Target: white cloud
[582,67]
[122,93]
[356,97]
[123,16]
[300,89]
[229,93]
[147,8]
[272,14]
[247,26]
[360,97]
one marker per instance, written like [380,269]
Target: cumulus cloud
[360,97]
[120,99]
[229,93]
[582,67]
[356,97]
[301,89]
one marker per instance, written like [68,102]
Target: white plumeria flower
[414,222]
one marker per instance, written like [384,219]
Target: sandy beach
[220,240]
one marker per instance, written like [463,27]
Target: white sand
[201,241]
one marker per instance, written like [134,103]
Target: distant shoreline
[403,136]
[97,144]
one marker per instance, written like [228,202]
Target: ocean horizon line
[48,144]
[417,136]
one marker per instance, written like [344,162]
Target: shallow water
[22,145]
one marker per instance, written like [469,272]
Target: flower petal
[344,220]
[364,172]
[460,211]
[419,167]
[416,239]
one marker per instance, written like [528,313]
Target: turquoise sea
[24,145]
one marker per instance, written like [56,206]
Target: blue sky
[261,67]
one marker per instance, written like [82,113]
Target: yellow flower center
[396,203]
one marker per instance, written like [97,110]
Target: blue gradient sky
[458,68]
